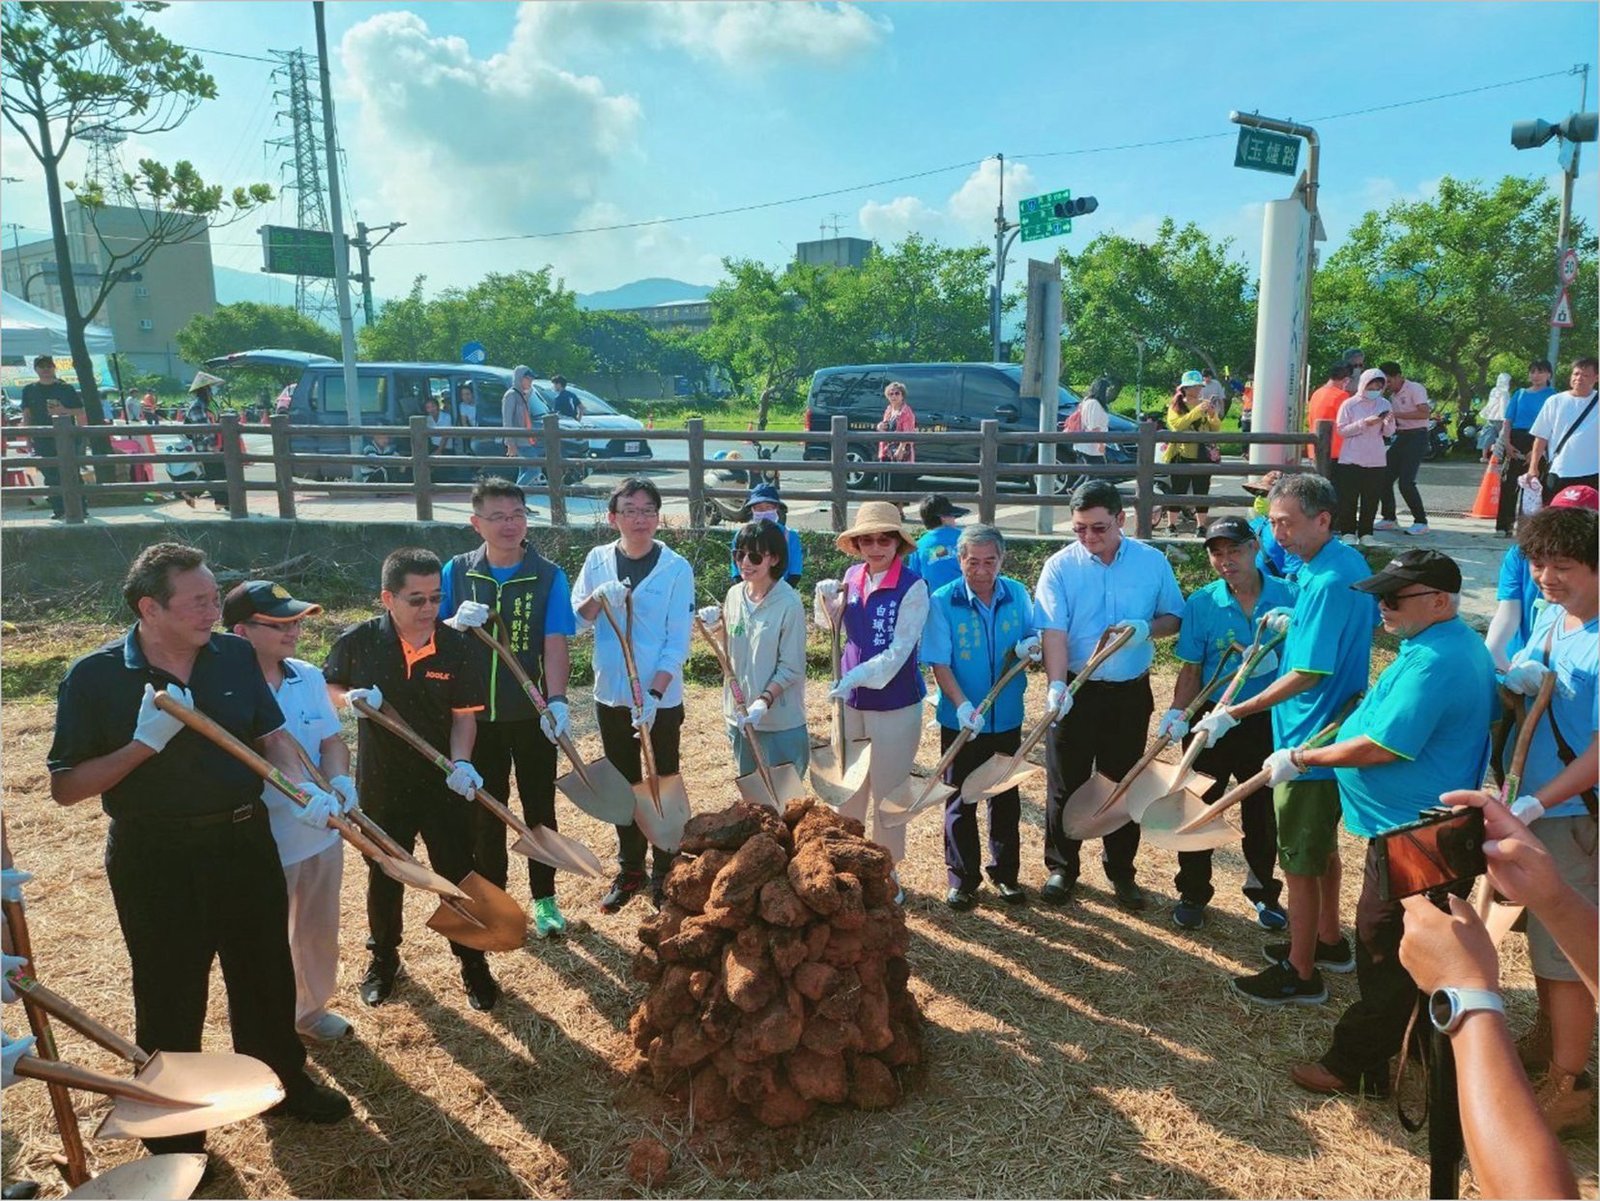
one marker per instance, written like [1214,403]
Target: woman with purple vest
[883,605]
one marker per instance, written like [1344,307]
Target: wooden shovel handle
[509,658]
[59,1007]
[1531,717]
[214,732]
[647,752]
[70,1075]
[725,662]
[964,734]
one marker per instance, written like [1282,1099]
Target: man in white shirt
[1565,435]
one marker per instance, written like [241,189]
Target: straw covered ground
[1071,1052]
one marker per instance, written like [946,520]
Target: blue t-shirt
[935,557]
[1525,404]
[1213,622]
[1272,559]
[1431,707]
[1330,635]
[1517,583]
[974,641]
[797,554]
[558,615]
[1574,707]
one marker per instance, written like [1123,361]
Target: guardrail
[1001,457]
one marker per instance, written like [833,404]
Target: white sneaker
[1348,539]
[326,1029]
[1420,527]
[1368,540]
[1385,524]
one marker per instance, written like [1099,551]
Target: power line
[249,58]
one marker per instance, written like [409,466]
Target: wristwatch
[1448,1006]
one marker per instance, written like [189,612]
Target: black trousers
[1361,491]
[499,745]
[1105,731]
[1505,515]
[442,819]
[1405,461]
[622,748]
[963,866]
[1343,486]
[187,896]
[1370,1031]
[1233,761]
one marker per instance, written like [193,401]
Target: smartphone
[1443,847]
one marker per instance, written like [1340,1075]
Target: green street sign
[1036,215]
[288,250]
[1261,150]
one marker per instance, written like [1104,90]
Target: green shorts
[1308,825]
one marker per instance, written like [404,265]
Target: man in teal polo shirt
[1326,659]
[1222,613]
[978,626]
[1421,731]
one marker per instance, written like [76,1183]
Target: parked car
[620,437]
[945,396]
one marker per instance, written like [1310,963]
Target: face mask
[1375,393]
[767,516]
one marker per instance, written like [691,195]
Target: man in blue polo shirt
[1222,613]
[1421,731]
[1325,663]
[978,626]
[935,558]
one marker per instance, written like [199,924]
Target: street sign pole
[1569,177]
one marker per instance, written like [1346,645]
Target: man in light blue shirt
[979,626]
[1101,580]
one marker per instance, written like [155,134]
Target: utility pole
[364,247]
[1002,246]
[341,249]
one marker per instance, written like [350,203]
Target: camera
[1441,848]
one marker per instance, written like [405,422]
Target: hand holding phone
[1443,847]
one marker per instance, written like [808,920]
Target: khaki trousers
[894,735]
[314,931]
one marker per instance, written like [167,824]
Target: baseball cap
[1426,567]
[1576,496]
[1192,379]
[1234,529]
[936,508]
[266,600]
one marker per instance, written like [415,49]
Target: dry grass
[1073,1052]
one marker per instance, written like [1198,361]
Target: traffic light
[1578,127]
[1074,208]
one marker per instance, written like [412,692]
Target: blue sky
[479,120]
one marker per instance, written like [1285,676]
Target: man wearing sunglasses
[266,616]
[1421,730]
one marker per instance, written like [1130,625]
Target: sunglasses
[749,556]
[1391,600]
[877,540]
[1098,529]
[417,601]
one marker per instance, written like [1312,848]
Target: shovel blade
[900,806]
[1159,780]
[153,1178]
[218,1088]
[1085,814]
[415,875]
[1000,774]
[604,794]
[560,852]
[753,789]
[788,783]
[501,923]
[835,781]
[1163,818]
[663,824]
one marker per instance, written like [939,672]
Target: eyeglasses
[749,556]
[1098,529]
[281,626]
[633,514]
[503,518]
[418,602]
[1391,600]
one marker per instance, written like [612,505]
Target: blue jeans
[533,473]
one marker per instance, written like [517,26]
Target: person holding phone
[1189,411]
[1362,423]
[1422,729]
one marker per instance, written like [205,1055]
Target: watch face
[1441,1008]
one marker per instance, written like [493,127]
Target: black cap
[936,508]
[1234,529]
[266,600]
[1426,567]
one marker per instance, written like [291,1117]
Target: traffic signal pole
[1563,232]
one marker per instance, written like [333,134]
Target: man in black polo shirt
[190,858]
[42,402]
[426,671]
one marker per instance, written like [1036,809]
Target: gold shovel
[773,785]
[533,842]
[661,805]
[906,801]
[1500,916]
[597,788]
[153,1178]
[1005,772]
[839,768]
[171,1093]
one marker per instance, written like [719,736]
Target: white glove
[11,881]
[1172,726]
[754,712]
[645,715]
[1525,676]
[1281,768]
[469,615]
[1215,724]
[1141,634]
[967,715]
[844,686]
[345,789]
[1059,699]
[371,696]
[1278,620]
[1029,650]
[711,615]
[319,807]
[613,592]
[1267,666]
[9,964]
[828,592]
[1528,809]
[555,721]
[464,780]
[12,1050]
[154,728]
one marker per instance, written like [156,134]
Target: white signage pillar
[1281,328]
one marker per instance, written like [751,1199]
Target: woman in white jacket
[662,586]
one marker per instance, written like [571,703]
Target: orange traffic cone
[1488,499]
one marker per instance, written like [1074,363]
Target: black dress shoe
[310,1102]
[1011,894]
[960,901]
[482,991]
[1129,895]
[622,891]
[1057,889]
[378,983]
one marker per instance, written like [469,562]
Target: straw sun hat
[876,517]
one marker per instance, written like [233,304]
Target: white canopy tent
[27,330]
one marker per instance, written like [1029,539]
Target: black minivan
[956,397]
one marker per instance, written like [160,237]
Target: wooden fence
[978,482]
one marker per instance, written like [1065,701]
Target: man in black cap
[1421,730]
[935,559]
[42,402]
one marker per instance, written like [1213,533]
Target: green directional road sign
[1261,150]
[1037,216]
[292,251]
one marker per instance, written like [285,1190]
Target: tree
[70,68]
[1184,295]
[1445,285]
[249,326]
[919,302]
[619,343]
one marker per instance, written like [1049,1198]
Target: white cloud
[890,222]
[965,217]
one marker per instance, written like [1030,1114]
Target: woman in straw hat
[203,410]
[883,605]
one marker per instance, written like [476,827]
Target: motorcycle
[1441,442]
